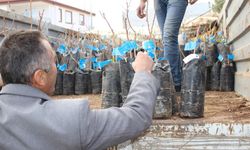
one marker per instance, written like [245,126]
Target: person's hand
[143,63]
[140,9]
[192,1]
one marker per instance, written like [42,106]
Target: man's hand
[192,1]
[143,63]
[141,8]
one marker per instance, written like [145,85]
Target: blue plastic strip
[62,67]
[220,58]
[62,49]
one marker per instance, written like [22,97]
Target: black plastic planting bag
[86,82]
[59,83]
[209,50]
[211,53]
[227,77]
[111,86]
[215,76]
[163,106]
[81,84]
[224,51]
[126,78]
[68,83]
[193,89]
[208,78]
[89,82]
[96,82]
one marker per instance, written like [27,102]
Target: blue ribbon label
[62,67]
[62,49]
[102,64]
[93,59]
[230,56]
[148,45]
[81,63]
[220,58]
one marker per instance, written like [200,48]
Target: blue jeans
[169,14]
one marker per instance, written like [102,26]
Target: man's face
[49,87]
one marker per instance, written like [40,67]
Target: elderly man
[29,119]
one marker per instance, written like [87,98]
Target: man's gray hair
[21,54]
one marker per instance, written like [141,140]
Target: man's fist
[192,1]
[140,10]
[143,63]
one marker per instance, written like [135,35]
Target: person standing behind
[169,14]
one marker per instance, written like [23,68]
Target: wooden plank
[242,82]
[240,24]
[241,41]
[222,17]
[243,66]
[233,9]
[235,18]
[243,53]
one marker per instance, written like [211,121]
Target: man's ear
[39,78]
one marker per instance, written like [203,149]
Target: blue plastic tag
[220,58]
[150,54]
[93,59]
[148,45]
[62,49]
[62,67]
[191,45]
[119,58]
[230,56]
[116,52]
[102,64]
[81,63]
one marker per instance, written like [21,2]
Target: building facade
[53,12]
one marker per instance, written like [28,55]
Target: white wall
[4,7]
[75,17]
[24,9]
[81,4]
[51,14]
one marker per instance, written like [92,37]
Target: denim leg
[169,15]
[161,13]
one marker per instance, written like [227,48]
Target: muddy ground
[94,99]
[225,107]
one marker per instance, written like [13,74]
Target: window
[60,15]
[82,20]
[68,17]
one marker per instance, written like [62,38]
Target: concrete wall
[235,20]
